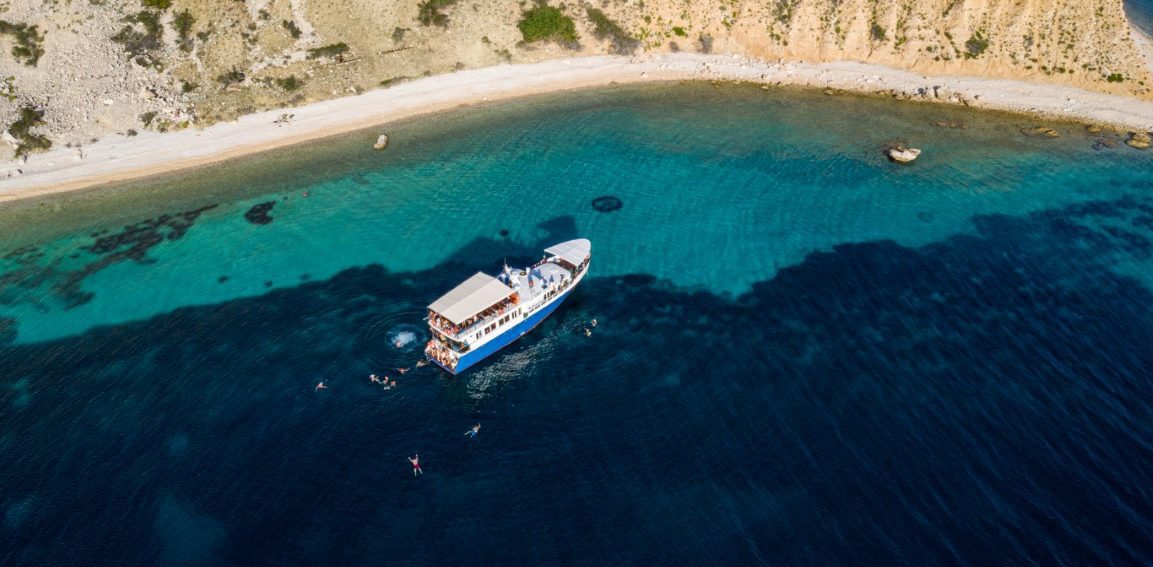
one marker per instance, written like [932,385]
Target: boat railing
[463,332]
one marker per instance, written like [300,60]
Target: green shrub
[976,45]
[603,28]
[8,88]
[292,29]
[679,31]
[328,51]
[231,78]
[705,43]
[21,129]
[140,42]
[1115,77]
[877,32]
[546,23]
[428,12]
[28,42]
[158,4]
[183,23]
[289,83]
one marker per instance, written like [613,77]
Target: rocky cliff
[76,70]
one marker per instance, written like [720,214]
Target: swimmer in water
[420,363]
[472,432]
[320,386]
[402,370]
[374,378]
[588,333]
[415,460]
[594,322]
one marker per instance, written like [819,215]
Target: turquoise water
[719,201]
[805,354]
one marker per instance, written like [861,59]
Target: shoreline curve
[116,159]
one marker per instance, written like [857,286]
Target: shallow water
[805,354]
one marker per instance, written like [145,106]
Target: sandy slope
[121,158]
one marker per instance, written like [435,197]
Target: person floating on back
[415,460]
[472,432]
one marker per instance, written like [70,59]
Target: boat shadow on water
[877,385]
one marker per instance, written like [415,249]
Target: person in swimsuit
[374,378]
[415,460]
[472,432]
[420,363]
[320,386]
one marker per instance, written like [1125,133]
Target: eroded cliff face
[1072,42]
[119,66]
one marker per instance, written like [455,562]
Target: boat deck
[542,273]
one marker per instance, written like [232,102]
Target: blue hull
[506,338]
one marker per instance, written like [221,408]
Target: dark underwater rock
[258,214]
[7,331]
[607,204]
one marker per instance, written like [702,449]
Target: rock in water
[258,214]
[1040,132]
[381,142]
[901,154]
[607,204]
[1139,140]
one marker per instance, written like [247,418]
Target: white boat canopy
[476,294]
[573,251]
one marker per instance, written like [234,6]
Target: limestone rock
[381,142]
[1139,140]
[902,154]
[1040,132]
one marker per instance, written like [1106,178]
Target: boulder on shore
[901,154]
[381,142]
[1139,140]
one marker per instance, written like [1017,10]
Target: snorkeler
[420,363]
[374,378]
[594,322]
[472,432]
[320,386]
[588,333]
[402,370]
[415,460]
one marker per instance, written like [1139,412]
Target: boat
[486,313]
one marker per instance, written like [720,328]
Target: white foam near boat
[485,313]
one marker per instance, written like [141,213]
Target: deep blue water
[961,377]
[1140,12]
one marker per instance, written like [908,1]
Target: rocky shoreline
[117,158]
